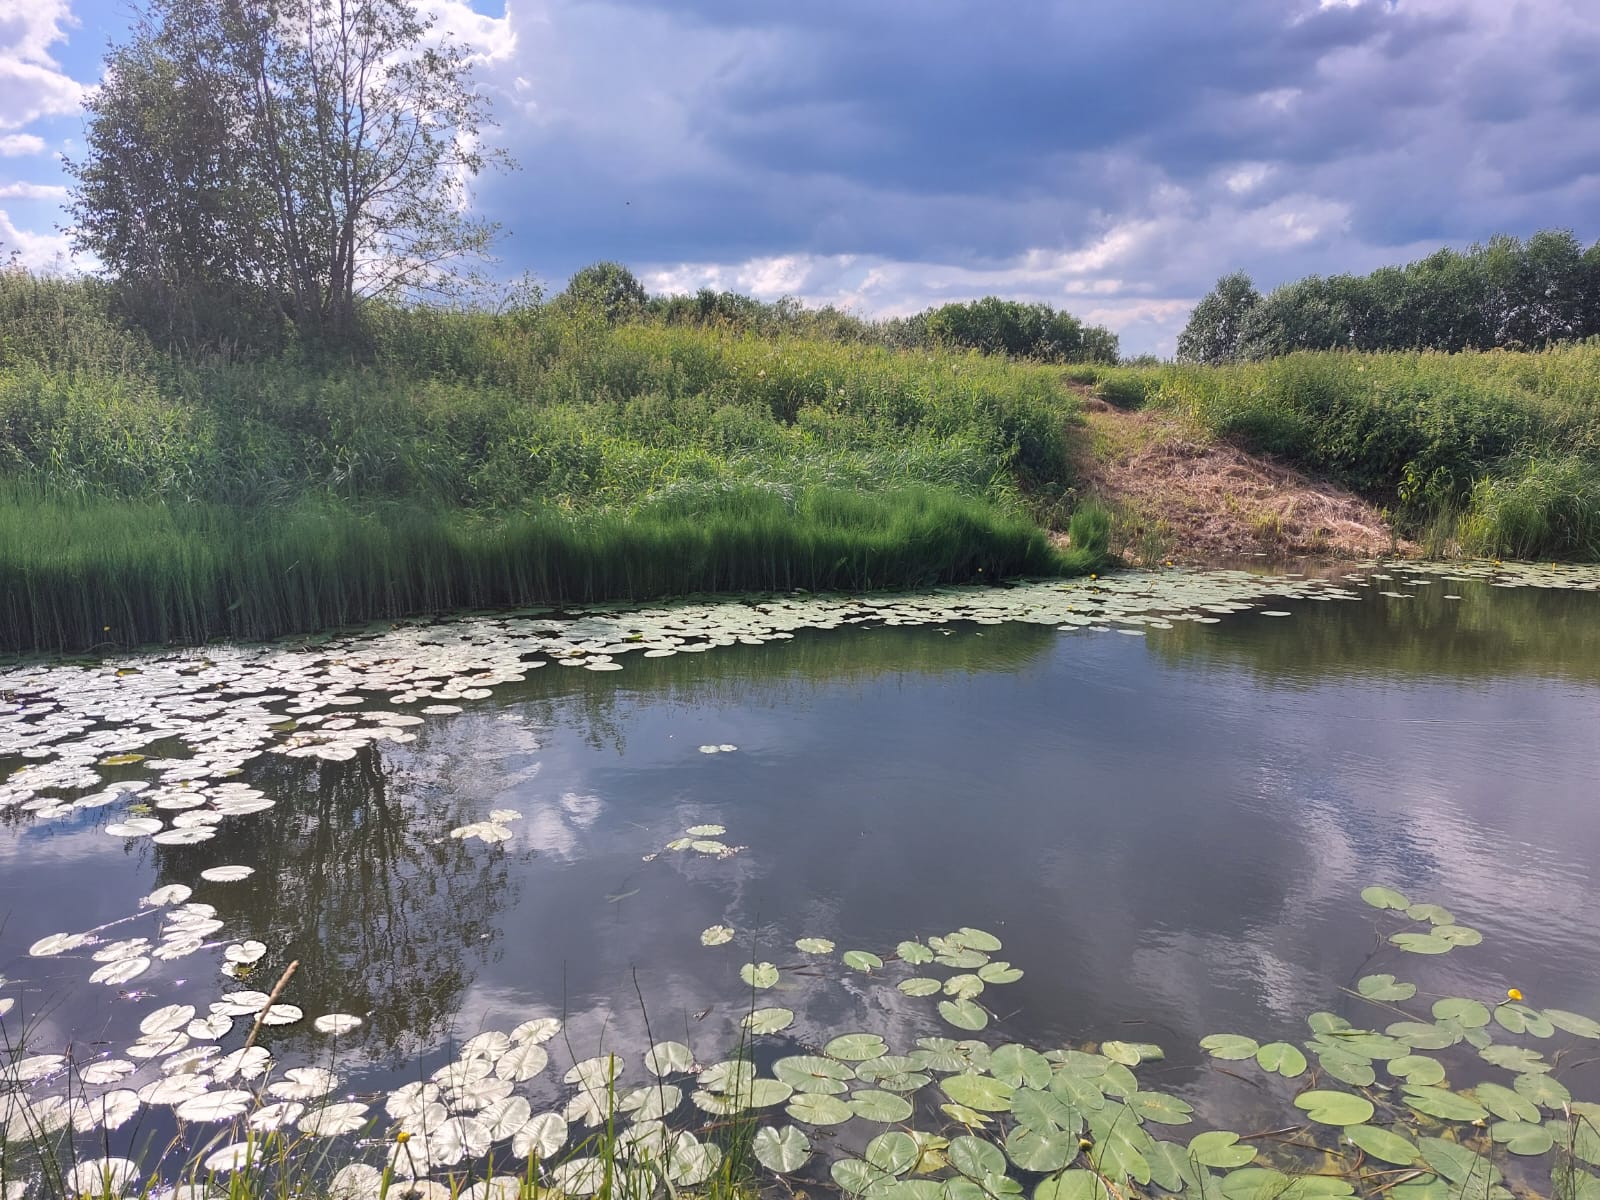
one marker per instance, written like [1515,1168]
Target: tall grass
[463,459]
[82,573]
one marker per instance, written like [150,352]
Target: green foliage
[996,326]
[1506,294]
[1216,326]
[251,164]
[608,289]
[457,437]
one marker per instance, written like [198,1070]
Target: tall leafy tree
[1216,326]
[299,153]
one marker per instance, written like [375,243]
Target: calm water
[1168,832]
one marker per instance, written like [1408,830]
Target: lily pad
[982,1092]
[768,1020]
[856,1047]
[1282,1059]
[759,975]
[1444,1104]
[716,935]
[881,1107]
[862,960]
[1221,1149]
[1229,1046]
[1385,987]
[783,1150]
[813,945]
[1384,897]
[1383,1143]
[817,1108]
[963,1014]
[1334,1108]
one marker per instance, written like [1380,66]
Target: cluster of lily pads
[1374,1110]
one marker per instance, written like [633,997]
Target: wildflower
[1513,994]
[402,1137]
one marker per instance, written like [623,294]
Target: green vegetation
[1508,295]
[458,459]
[1442,1096]
[1498,450]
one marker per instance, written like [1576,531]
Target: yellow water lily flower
[1513,994]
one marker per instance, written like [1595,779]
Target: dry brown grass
[1176,494]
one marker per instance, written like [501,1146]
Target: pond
[841,852]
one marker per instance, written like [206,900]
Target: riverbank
[1491,454]
[468,459]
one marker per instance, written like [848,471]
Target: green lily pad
[882,1107]
[1281,1058]
[1573,1023]
[813,1073]
[1220,1148]
[974,1157]
[914,953]
[1229,1046]
[1383,897]
[1045,1111]
[963,1014]
[1131,1054]
[1519,1059]
[1077,1184]
[1444,1104]
[783,1150]
[975,939]
[1422,943]
[856,1047]
[812,945]
[768,1020]
[1433,914]
[963,987]
[1522,1137]
[1419,1035]
[1417,1069]
[862,960]
[999,972]
[1383,1143]
[895,1152]
[1458,935]
[1262,1183]
[759,975]
[1346,1068]
[919,985]
[1469,1014]
[1505,1103]
[1032,1150]
[1459,1164]
[1542,1089]
[716,935]
[1019,1066]
[1160,1108]
[1519,1018]
[815,1108]
[982,1092]
[1334,1108]
[1118,1160]
[855,1176]
[1385,987]
[969,1117]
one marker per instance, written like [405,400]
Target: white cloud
[33,191]
[32,83]
[13,145]
[36,251]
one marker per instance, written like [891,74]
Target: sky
[1109,157]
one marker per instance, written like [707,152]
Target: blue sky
[1106,156]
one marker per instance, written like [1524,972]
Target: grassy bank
[1497,452]
[470,459]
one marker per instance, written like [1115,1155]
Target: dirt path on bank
[1177,495]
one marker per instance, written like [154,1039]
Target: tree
[300,154]
[1216,326]
[607,288]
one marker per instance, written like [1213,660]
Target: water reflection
[356,879]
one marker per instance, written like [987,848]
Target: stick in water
[283,982]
